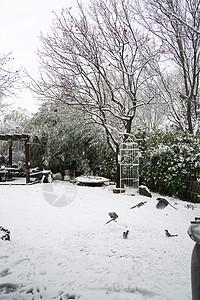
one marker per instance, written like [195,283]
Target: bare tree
[99,62]
[176,25]
[8,78]
[174,14]
[152,116]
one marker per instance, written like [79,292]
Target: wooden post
[10,155]
[27,162]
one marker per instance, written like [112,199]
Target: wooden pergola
[25,138]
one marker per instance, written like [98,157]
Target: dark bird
[162,203]
[138,205]
[125,234]
[169,235]
[113,217]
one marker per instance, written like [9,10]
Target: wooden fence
[194,186]
[194,191]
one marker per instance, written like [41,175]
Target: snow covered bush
[70,142]
[168,158]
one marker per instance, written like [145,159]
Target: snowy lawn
[60,247]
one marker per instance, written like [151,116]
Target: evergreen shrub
[167,160]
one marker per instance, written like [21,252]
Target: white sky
[21,22]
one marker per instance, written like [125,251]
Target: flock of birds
[161,204]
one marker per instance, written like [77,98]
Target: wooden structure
[26,139]
[194,191]
[194,186]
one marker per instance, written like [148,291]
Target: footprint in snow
[8,288]
[21,261]
[5,257]
[5,272]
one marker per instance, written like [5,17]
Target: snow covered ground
[60,247]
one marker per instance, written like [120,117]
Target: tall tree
[8,77]
[176,25]
[99,62]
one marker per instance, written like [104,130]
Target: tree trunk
[189,117]
[118,176]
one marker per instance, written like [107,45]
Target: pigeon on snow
[125,234]
[162,203]
[113,217]
[138,205]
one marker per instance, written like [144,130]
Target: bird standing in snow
[113,217]
[138,205]
[162,203]
[125,234]
[168,234]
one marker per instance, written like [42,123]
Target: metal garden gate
[129,165]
